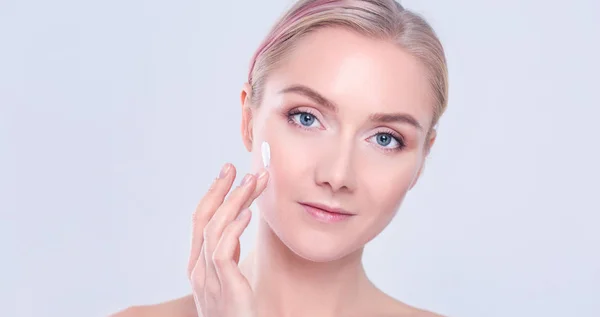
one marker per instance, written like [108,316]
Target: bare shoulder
[132,311]
[421,313]
[391,307]
[180,307]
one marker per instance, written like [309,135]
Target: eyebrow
[376,117]
[312,94]
[396,117]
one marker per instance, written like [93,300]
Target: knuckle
[230,230]
[219,260]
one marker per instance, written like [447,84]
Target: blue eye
[387,141]
[304,119]
[384,139]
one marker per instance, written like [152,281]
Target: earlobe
[246,126]
[431,141]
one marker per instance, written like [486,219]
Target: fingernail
[246,179]
[224,170]
[261,174]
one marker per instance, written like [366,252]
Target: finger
[205,280]
[261,184]
[213,231]
[228,211]
[238,201]
[236,254]
[225,264]
[205,210]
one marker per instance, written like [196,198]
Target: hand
[219,288]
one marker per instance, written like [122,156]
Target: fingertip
[224,170]
[263,177]
[248,183]
[224,180]
[262,180]
[227,170]
[263,173]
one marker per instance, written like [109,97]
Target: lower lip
[324,216]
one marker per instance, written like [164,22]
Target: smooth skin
[219,287]
[302,267]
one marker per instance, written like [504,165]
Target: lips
[325,213]
[328,209]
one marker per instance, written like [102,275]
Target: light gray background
[116,115]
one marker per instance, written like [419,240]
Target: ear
[427,149]
[246,127]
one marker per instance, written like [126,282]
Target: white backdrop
[116,115]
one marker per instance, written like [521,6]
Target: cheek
[291,165]
[388,198]
[292,160]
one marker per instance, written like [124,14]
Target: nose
[335,168]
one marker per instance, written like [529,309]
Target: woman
[347,95]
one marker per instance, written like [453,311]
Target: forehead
[357,72]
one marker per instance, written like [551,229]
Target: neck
[285,284]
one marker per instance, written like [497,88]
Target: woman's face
[347,119]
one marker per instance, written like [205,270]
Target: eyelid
[398,137]
[391,132]
[308,109]
[311,110]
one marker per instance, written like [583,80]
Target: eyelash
[393,134]
[296,111]
[396,136]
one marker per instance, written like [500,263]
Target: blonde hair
[379,19]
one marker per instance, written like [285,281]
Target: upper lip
[327,208]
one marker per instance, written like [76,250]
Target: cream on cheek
[265,149]
[289,152]
[293,153]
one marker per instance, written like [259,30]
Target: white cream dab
[266,153]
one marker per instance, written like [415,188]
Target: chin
[314,246]
[310,240]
